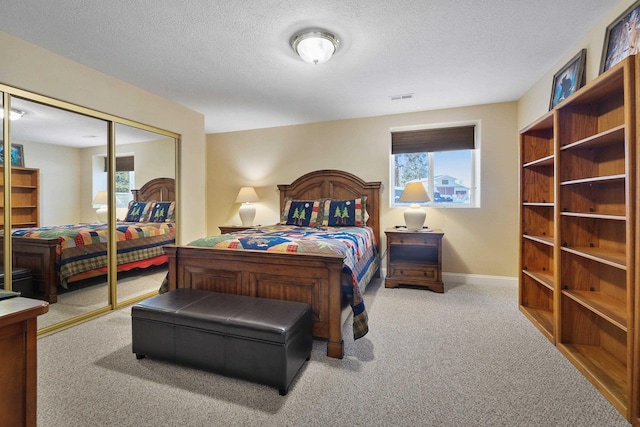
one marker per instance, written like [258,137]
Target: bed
[317,279]
[63,254]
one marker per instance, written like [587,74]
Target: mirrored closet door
[145,209]
[76,181]
[58,232]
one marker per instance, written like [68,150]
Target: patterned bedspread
[356,244]
[83,247]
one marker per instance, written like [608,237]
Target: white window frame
[474,185]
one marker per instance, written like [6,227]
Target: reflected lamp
[247,212]
[101,199]
[414,216]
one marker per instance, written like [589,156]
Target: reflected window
[125,182]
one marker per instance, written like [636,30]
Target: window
[125,180]
[444,158]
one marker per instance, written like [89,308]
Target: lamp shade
[247,195]
[414,192]
[101,198]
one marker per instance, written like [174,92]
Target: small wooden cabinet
[414,258]
[18,360]
[25,197]
[226,229]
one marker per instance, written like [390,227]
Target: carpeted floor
[92,294]
[463,358]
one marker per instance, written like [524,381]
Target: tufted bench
[256,339]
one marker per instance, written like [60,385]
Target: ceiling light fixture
[315,46]
[13,114]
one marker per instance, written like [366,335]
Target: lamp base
[102,213]
[414,217]
[247,213]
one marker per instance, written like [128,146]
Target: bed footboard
[312,279]
[39,256]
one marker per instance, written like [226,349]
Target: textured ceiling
[231,60]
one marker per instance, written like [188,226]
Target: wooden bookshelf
[537,224]
[578,219]
[25,197]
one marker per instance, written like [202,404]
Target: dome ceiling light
[13,114]
[315,46]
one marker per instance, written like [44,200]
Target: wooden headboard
[158,189]
[336,184]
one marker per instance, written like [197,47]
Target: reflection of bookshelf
[25,196]
[578,232]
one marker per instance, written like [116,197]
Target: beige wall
[535,101]
[478,241]
[32,68]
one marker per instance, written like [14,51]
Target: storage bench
[256,339]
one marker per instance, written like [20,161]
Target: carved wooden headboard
[336,184]
[158,189]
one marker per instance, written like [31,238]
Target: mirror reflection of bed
[145,228]
[69,150]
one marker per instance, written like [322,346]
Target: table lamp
[102,198]
[246,196]
[415,215]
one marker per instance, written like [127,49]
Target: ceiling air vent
[400,97]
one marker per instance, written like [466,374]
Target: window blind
[123,164]
[431,140]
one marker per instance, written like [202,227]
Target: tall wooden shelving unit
[537,225]
[25,196]
[580,291]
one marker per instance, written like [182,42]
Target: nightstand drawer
[414,239]
[413,272]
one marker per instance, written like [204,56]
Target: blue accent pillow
[162,212]
[302,213]
[344,213]
[138,211]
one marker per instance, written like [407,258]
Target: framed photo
[17,155]
[622,38]
[569,79]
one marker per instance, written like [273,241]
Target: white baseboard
[478,279]
[471,279]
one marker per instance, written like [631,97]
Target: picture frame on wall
[569,79]
[622,38]
[17,155]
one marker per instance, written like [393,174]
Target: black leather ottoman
[256,339]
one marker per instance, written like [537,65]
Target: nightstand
[414,258]
[226,229]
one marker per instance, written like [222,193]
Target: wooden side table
[18,360]
[226,229]
[414,258]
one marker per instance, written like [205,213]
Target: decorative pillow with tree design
[163,212]
[344,213]
[138,211]
[302,213]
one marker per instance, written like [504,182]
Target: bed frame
[313,279]
[39,255]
